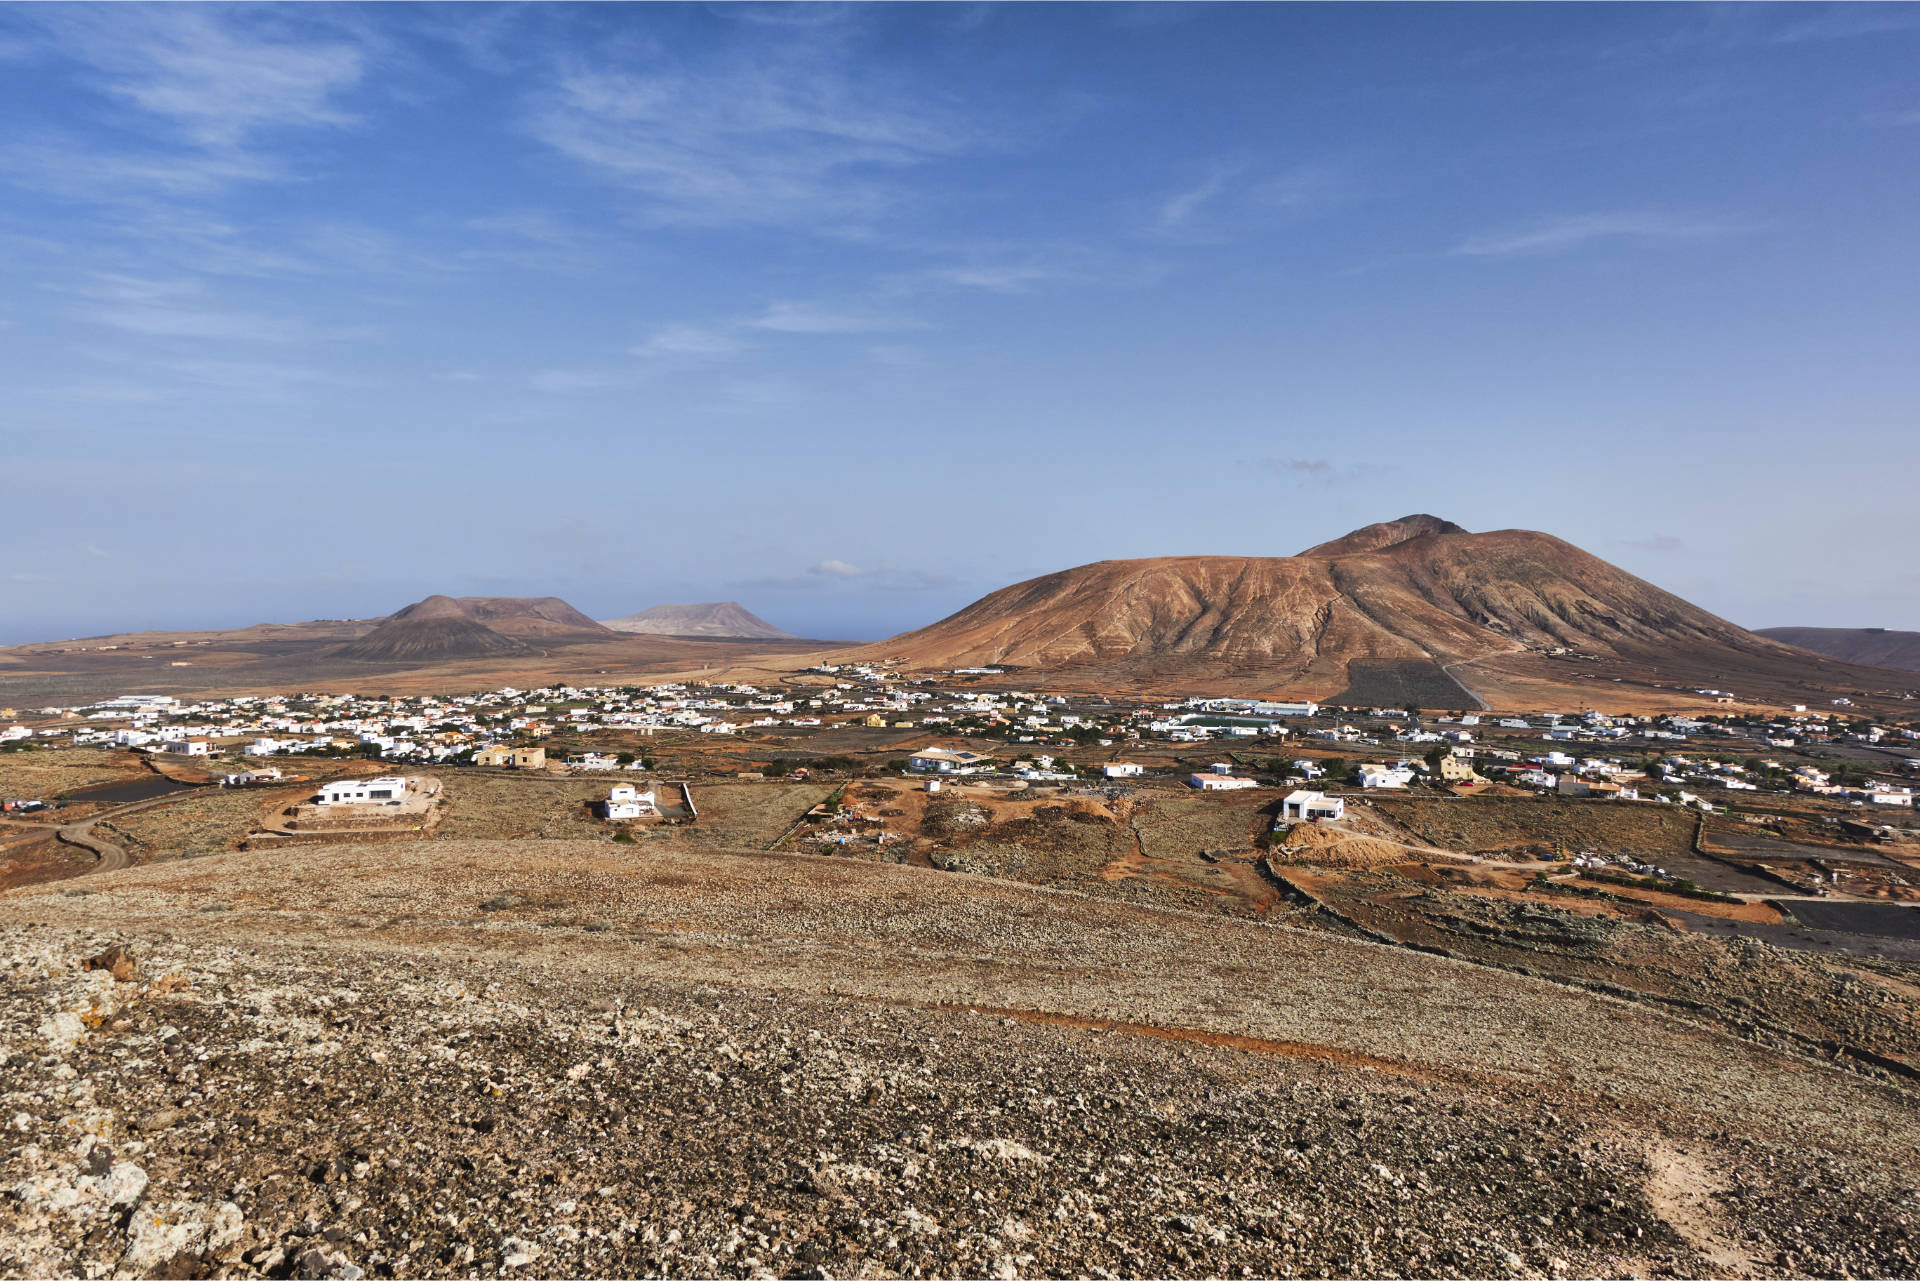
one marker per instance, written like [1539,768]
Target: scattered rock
[118,961]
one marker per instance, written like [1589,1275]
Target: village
[850,742]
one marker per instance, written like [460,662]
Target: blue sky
[854,314]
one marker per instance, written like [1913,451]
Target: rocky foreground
[687,1063]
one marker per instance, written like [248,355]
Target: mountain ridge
[1877,646]
[1419,594]
[442,628]
[708,618]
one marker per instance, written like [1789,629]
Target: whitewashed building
[1312,807]
[373,791]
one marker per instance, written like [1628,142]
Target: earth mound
[1877,646]
[521,616]
[713,618]
[429,638]
[1415,590]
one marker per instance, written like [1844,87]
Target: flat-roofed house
[625,801]
[942,760]
[389,790]
[501,756]
[1312,807]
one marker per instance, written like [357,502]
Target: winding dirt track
[112,857]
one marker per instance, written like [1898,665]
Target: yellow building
[503,757]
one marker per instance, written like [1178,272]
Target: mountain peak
[706,618]
[1386,533]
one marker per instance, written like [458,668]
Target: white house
[1219,782]
[1312,807]
[1123,769]
[941,760]
[1384,776]
[373,791]
[624,801]
[189,747]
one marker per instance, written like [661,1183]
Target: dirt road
[112,857]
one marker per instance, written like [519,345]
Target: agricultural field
[1176,826]
[489,806]
[1384,683]
[1501,826]
[750,815]
[210,821]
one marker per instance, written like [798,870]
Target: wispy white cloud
[219,75]
[789,138]
[810,318]
[839,574]
[1556,235]
[178,309]
[1234,197]
[1009,279]
[688,343]
[1179,211]
[1320,471]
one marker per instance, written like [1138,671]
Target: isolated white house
[1218,782]
[373,791]
[1383,776]
[1123,769]
[625,801]
[1312,807]
[941,760]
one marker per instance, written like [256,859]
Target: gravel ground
[493,1058]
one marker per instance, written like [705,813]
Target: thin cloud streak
[1571,233]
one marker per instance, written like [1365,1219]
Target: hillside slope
[606,1059]
[432,630]
[1877,646]
[711,618]
[522,616]
[1415,595]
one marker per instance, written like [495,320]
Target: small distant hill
[525,616]
[440,628]
[713,618]
[1875,646]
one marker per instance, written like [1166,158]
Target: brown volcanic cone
[528,616]
[1419,592]
[430,640]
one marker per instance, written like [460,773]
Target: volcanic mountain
[1399,611]
[443,627]
[1875,645]
[714,618]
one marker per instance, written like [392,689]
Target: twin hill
[442,628]
[1415,606]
